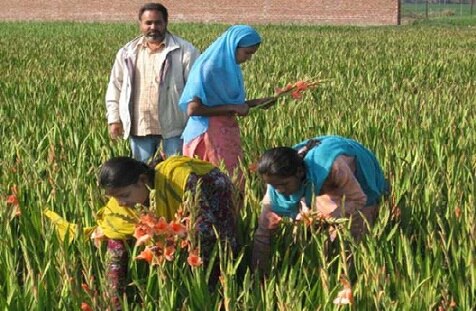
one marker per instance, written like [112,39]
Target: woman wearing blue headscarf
[214,95]
[332,175]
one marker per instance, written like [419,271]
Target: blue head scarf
[216,78]
[318,162]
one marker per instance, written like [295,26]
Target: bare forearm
[196,108]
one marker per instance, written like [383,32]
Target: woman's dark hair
[152,6]
[284,161]
[123,171]
[280,161]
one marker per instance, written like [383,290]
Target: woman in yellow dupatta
[129,182]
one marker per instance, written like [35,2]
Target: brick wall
[354,12]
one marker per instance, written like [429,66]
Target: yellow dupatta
[115,221]
[171,178]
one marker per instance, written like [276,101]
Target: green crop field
[407,92]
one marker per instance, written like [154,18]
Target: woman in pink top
[340,176]
[215,95]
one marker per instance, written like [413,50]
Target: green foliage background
[408,93]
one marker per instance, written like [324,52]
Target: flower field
[407,92]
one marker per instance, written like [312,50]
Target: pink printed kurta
[221,143]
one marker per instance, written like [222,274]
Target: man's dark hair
[152,6]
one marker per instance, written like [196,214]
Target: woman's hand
[270,220]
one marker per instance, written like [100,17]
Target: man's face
[153,25]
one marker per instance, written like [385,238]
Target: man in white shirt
[146,82]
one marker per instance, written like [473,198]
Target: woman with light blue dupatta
[331,175]
[214,96]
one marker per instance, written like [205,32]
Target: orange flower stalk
[162,239]
[296,89]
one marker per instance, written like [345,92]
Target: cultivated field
[408,92]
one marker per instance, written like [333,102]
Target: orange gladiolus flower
[185,244]
[193,259]
[178,229]
[143,234]
[253,167]
[86,288]
[161,226]
[458,212]
[98,236]
[86,307]
[296,89]
[148,220]
[13,200]
[147,254]
[169,252]
[344,296]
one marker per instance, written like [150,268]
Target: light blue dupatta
[318,162]
[215,78]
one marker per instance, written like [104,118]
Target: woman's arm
[196,108]
[267,222]
[266,102]
[341,195]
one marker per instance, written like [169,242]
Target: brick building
[337,12]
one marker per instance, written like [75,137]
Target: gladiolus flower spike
[296,89]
